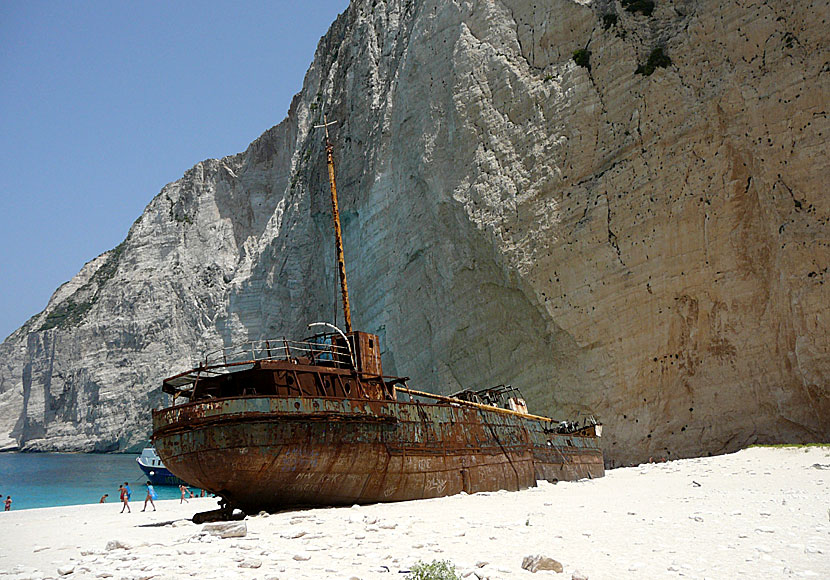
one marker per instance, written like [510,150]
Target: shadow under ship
[281,423]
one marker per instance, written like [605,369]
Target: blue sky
[103,103]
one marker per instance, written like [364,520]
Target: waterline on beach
[36,480]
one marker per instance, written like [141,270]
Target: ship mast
[338,237]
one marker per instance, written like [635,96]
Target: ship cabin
[323,365]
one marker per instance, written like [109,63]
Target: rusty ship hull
[268,452]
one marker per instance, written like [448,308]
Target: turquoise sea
[37,480]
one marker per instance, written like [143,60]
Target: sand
[758,513]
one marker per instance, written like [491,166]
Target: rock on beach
[538,562]
[226,529]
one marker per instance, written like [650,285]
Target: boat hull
[269,453]
[159,475]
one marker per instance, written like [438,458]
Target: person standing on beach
[151,495]
[129,491]
[125,499]
[8,503]
[103,498]
[184,491]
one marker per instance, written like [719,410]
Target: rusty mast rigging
[338,237]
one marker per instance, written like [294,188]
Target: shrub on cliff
[582,57]
[657,59]
[645,7]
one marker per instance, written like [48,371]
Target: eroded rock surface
[651,248]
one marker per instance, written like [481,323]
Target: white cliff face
[651,248]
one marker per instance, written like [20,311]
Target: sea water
[35,480]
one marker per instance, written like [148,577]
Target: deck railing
[317,350]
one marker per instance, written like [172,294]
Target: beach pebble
[302,557]
[40,548]
[765,530]
[118,545]
[65,570]
[538,562]
[294,535]
[251,563]
[577,575]
[226,529]
[23,573]
[244,546]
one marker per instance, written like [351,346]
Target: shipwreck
[273,424]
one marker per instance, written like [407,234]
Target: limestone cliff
[619,208]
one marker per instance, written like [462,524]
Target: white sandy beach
[758,513]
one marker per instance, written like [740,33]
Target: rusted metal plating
[271,453]
[275,433]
